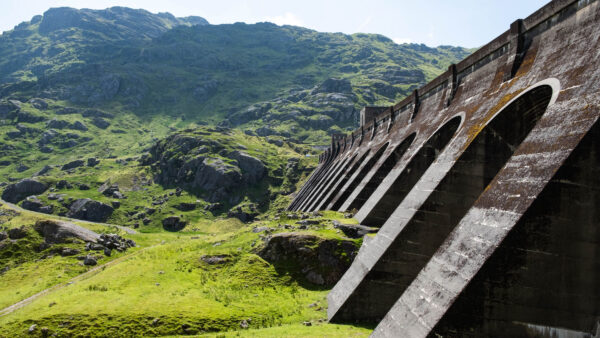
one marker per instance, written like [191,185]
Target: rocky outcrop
[73,165]
[59,232]
[191,162]
[35,204]
[100,122]
[16,192]
[333,86]
[321,261]
[90,210]
[173,223]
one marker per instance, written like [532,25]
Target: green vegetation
[197,136]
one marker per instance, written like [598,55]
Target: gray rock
[90,210]
[78,125]
[63,184]
[32,329]
[17,233]
[47,137]
[3,235]
[69,252]
[108,189]
[27,117]
[215,259]
[21,168]
[56,232]
[354,230]
[6,108]
[92,162]
[173,223]
[39,103]
[13,134]
[43,171]
[186,206]
[83,186]
[323,261]
[32,203]
[46,149]
[73,165]
[57,124]
[16,192]
[252,168]
[90,260]
[100,122]
[46,209]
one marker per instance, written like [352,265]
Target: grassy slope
[165,279]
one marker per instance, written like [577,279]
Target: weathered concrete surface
[491,230]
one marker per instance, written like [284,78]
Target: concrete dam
[484,186]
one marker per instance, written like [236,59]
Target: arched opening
[345,178]
[412,173]
[322,195]
[382,172]
[368,166]
[443,209]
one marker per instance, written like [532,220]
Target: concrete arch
[417,238]
[411,174]
[391,161]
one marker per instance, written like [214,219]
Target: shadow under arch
[382,172]
[366,168]
[443,209]
[345,178]
[412,173]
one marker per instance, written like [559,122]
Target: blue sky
[467,23]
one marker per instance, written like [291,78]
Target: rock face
[189,161]
[73,165]
[173,223]
[321,261]
[16,192]
[90,210]
[58,231]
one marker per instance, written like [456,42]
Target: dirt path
[9,309]
[18,208]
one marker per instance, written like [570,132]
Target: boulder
[55,232]
[173,223]
[32,203]
[69,252]
[83,186]
[46,149]
[57,124]
[215,259]
[73,165]
[90,260]
[17,233]
[21,168]
[43,171]
[90,210]
[354,230]
[39,103]
[3,235]
[62,184]
[78,125]
[322,261]
[100,122]
[92,162]
[186,206]
[27,117]
[47,137]
[6,108]
[17,192]
[108,189]
[252,168]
